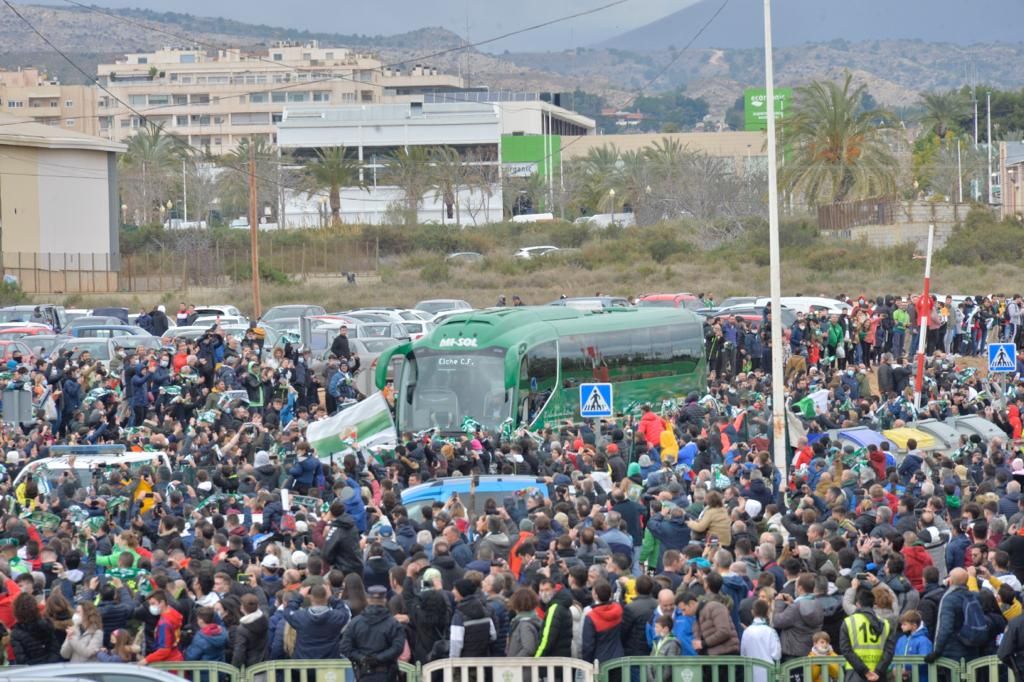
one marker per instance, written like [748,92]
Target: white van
[49,470]
[807,304]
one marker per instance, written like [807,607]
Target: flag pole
[923,313]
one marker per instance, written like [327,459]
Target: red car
[15,333]
[688,301]
[8,348]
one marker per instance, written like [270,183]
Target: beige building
[747,149]
[1011,180]
[214,99]
[30,93]
[59,208]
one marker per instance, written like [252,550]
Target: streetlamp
[611,198]
[1011,201]
[323,212]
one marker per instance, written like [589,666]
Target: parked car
[131,344]
[9,347]
[20,331]
[503,490]
[93,320]
[118,313]
[688,301]
[220,311]
[286,317]
[418,329]
[806,304]
[51,315]
[464,257]
[528,252]
[593,302]
[102,349]
[107,331]
[210,320]
[754,314]
[369,351]
[439,305]
[96,672]
[42,345]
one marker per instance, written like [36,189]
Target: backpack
[974,632]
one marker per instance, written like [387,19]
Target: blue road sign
[595,400]
[1002,357]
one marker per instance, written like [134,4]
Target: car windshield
[442,388]
[378,345]
[377,331]
[8,316]
[284,312]
[43,345]
[138,342]
[99,349]
[656,303]
[11,336]
[437,306]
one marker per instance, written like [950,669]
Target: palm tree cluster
[665,180]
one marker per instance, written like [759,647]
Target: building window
[15,104]
[143,60]
[137,100]
[70,122]
[329,55]
[181,121]
[364,75]
[278,56]
[307,56]
[125,123]
[277,97]
[180,100]
[250,118]
[276,118]
[296,97]
[217,141]
[322,96]
[218,120]
[159,100]
[104,122]
[201,100]
[348,97]
[54,103]
[257,98]
[366,96]
[187,59]
[68,103]
[186,80]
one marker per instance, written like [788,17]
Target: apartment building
[212,99]
[29,93]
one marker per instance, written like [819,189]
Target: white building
[473,123]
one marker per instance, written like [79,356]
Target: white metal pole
[988,100]
[923,311]
[781,456]
[959,173]
[184,192]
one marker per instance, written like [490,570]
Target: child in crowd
[666,645]
[913,642]
[122,649]
[822,646]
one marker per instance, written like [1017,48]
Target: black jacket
[340,347]
[558,639]
[35,643]
[115,614]
[635,617]
[341,545]
[450,570]
[375,635]
[429,615]
[250,645]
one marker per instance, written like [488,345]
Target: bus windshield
[441,388]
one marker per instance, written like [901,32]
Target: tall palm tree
[595,175]
[448,175]
[840,151]
[409,170]
[330,171]
[148,166]
[944,112]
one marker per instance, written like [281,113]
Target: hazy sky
[487,18]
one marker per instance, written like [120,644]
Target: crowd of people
[672,534]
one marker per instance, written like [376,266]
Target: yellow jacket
[668,445]
[834,671]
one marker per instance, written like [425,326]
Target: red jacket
[650,428]
[515,563]
[916,559]
[7,609]
[876,459]
[168,631]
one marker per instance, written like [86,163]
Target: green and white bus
[526,363]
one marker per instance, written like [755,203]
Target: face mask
[154,609]
[76,619]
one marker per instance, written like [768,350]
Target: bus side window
[538,375]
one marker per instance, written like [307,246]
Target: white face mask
[76,618]
[154,609]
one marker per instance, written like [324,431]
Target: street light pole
[988,101]
[780,454]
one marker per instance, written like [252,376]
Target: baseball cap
[301,527]
[299,559]
[376,592]
[270,561]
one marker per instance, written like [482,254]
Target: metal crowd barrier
[629,669]
[508,669]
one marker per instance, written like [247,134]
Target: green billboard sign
[755,107]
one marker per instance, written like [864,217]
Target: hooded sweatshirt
[602,638]
[916,558]
[208,644]
[168,629]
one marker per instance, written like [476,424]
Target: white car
[436,306]
[528,252]
[222,320]
[220,311]
[806,304]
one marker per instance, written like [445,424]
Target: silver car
[96,672]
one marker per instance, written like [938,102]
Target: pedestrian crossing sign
[1002,357]
[595,400]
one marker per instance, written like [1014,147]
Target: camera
[862,577]
[792,544]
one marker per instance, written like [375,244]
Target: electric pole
[254,231]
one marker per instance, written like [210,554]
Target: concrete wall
[911,226]
[359,207]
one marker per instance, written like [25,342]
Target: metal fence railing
[629,669]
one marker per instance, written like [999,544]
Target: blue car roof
[443,488]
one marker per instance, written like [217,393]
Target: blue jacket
[682,628]
[956,550]
[208,644]
[317,629]
[140,390]
[916,643]
[736,588]
[72,396]
[671,533]
[275,638]
[355,505]
[949,623]
[304,471]
[462,553]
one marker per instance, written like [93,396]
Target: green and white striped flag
[367,424]
[814,404]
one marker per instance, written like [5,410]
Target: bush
[11,293]
[434,273]
[983,239]
[268,273]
